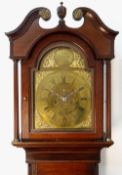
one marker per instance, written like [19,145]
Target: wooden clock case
[68,153]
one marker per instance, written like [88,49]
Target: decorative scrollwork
[45,13]
[78,14]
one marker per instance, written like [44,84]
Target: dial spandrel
[63,91]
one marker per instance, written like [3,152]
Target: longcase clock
[62,92]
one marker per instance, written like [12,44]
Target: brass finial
[61,11]
[61,3]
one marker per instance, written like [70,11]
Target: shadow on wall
[110,161]
[103,164]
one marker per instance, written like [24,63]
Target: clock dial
[63,93]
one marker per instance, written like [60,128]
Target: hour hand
[81,88]
[62,98]
[54,93]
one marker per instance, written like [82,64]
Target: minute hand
[75,91]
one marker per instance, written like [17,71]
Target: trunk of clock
[63,168]
[63,163]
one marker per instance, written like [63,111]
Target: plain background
[12,13]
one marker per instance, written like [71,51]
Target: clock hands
[64,98]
